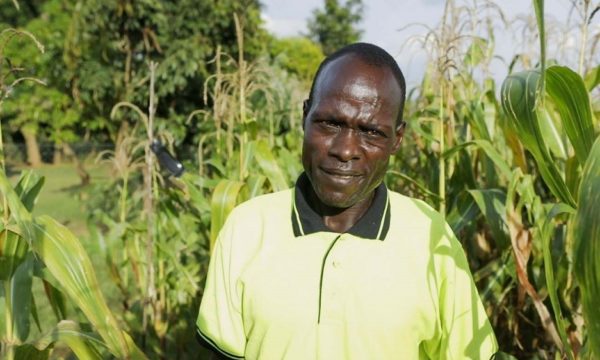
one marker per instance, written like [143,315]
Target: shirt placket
[331,307]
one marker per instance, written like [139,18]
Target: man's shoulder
[266,204]
[408,207]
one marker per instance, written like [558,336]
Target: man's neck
[341,219]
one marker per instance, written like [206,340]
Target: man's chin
[336,200]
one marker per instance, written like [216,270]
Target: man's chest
[366,285]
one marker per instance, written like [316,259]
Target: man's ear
[399,135]
[305,109]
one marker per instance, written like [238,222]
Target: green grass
[62,196]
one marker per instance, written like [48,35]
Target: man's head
[353,123]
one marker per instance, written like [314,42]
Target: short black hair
[372,55]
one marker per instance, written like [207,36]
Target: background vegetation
[88,86]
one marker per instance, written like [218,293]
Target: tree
[335,26]
[297,55]
[97,53]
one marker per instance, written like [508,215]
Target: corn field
[514,168]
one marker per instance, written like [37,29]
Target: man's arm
[219,322]
[464,330]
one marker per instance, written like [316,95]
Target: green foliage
[586,252]
[336,24]
[297,55]
[40,242]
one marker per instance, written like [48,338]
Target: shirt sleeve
[465,331]
[220,322]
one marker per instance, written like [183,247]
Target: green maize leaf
[13,249]
[17,210]
[67,332]
[491,204]
[463,175]
[34,314]
[490,110]
[519,94]
[489,150]
[418,184]
[70,265]
[539,16]
[495,273]
[476,51]
[194,191]
[476,117]
[29,352]
[28,188]
[592,78]
[56,299]
[572,174]
[249,153]
[586,247]
[463,213]
[550,133]
[20,297]
[269,166]
[223,201]
[568,93]
[513,143]
[547,230]
[255,185]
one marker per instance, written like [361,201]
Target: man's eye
[329,124]
[373,133]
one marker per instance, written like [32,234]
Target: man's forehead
[350,75]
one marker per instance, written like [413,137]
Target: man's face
[350,130]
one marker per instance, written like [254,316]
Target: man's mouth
[341,174]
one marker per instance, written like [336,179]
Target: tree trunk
[34,158]
[57,157]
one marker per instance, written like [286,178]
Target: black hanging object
[166,160]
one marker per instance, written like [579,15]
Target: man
[340,267]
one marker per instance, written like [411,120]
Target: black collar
[374,224]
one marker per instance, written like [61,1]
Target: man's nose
[345,145]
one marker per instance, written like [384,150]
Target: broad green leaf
[28,188]
[476,117]
[67,332]
[592,78]
[586,247]
[491,203]
[463,213]
[568,93]
[489,150]
[547,230]
[519,95]
[18,211]
[269,166]
[194,191]
[13,249]
[20,297]
[29,352]
[550,133]
[572,174]
[255,185]
[70,265]
[34,314]
[223,201]
[539,16]
[248,155]
[476,51]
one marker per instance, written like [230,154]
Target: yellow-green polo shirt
[397,285]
